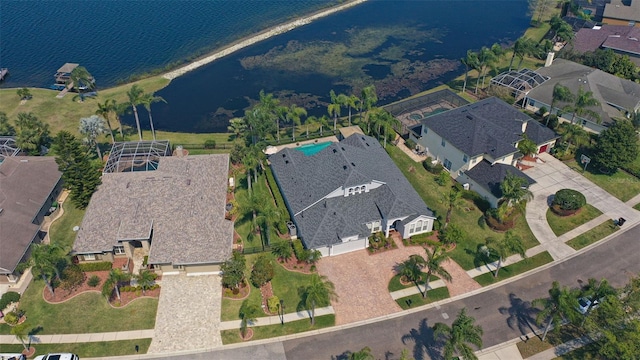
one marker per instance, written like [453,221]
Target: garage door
[348,247]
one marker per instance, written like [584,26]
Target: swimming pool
[312,149]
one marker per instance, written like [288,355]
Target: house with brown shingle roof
[174,214]
[619,12]
[622,39]
[28,187]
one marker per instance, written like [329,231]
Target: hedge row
[8,298]
[299,249]
[96,266]
[276,193]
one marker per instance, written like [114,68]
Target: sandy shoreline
[280,29]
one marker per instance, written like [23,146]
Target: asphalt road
[503,312]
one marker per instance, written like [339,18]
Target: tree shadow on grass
[424,342]
[522,316]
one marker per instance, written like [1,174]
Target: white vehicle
[585,304]
[58,356]
[12,357]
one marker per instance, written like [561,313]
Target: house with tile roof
[174,214]
[349,190]
[478,143]
[615,95]
[28,187]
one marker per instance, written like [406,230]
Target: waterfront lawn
[61,231]
[620,184]
[468,217]
[563,224]
[85,313]
[90,349]
[416,300]
[270,331]
[515,269]
[597,233]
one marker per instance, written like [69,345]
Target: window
[465,158]
[89,257]
[118,250]
[425,225]
[419,225]
[442,143]
[412,228]
[447,164]
[375,226]
[363,188]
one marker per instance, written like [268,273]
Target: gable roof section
[490,176]
[25,184]
[607,89]
[305,181]
[183,201]
[490,126]
[617,9]
[616,37]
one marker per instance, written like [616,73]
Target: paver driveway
[361,281]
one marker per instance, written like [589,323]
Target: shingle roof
[617,37]
[25,184]
[607,89]
[305,181]
[490,126]
[183,201]
[617,9]
[490,176]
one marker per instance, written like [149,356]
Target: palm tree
[411,269]
[581,101]
[116,276]
[369,99]
[91,128]
[81,81]
[573,135]
[147,100]
[486,59]
[560,93]
[334,108]
[106,110]
[237,127]
[560,304]
[363,354]
[511,243]
[515,190]
[256,203]
[469,62]
[136,95]
[281,115]
[294,115]
[529,48]
[250,161]
[351,102]
[21,332]
[44,260]
[561,29]
[462,332]
[269,215]
[453,199]
[282,250]
[519,50]
[146,279]
[433,264]
[248,314]
[319,291]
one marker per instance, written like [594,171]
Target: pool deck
[297,144]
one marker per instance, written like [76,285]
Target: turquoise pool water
[312,149]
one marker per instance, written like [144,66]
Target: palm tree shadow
[423,339]
[521,315]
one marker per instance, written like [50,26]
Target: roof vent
[335,151]
[284,155]
[344,167]
[367,143]
[469,117]
[352,164]
[342,148]
[286,161]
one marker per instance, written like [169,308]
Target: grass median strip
[515,269]
[269,331]
[597,233]
[417,299]
[89,349]
[563,224]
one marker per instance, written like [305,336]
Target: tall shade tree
[320,291]
[510,244]
[107,110]
[580,106]
[32,134]
[369,99]
[457,338]
[136,96]
[233,271]
[294,116]
[146,100]
[617,145]
[334,108]
[411,269]
[433,264]
[561,94]
[248,314]
[81,81]
[24,94]
[91,128]
[237,127]
[561,304]
[470,62]
[6,129]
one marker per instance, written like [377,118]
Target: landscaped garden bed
[379,243]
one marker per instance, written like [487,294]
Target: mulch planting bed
[267,293]
[294,265]
[128,296]
[561,212]
[243,292]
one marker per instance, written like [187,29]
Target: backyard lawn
[620,184]
[515,269]
[269,331]
[85,313]
[468,217]
[563,224]
[90,349]
[597,233]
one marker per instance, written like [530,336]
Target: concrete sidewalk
[81,338]
[275,320]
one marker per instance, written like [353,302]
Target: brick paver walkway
[460,282]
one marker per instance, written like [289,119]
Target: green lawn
[620,184]
[563,224]
[86,313]
[395,284]
[269,331]
[598,233]
[515,269]
[91,349]
[467,217]
[285,285]
[417,299]
[637,206]
[61,231]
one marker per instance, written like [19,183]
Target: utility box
[293,231]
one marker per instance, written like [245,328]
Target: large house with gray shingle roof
[344,193]
[478,143]
[175,215]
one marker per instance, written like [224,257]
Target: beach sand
[280,29]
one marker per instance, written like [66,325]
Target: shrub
[410,144]
[282,227]
[262,271]
[277,196]
[273,304]
[430,167]
[96,266]
[210,144]
[299,250]
[72,277]
[552,122]
[480,202]
[443,178]
[11,318]
[145,260]
[451,235]
[568,199]
[8,298]
[93,281]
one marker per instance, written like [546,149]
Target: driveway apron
[188,315]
